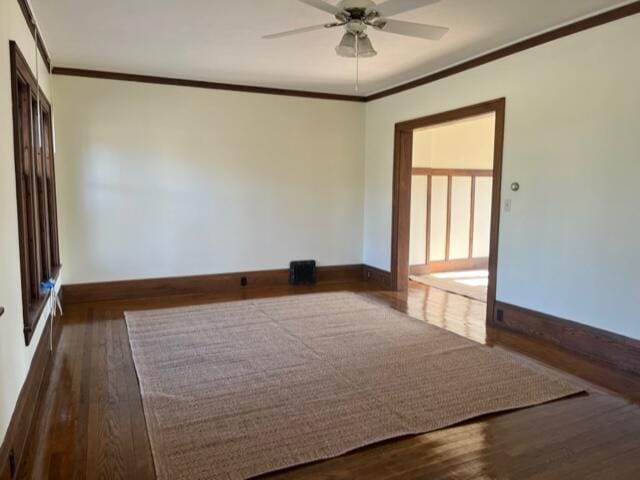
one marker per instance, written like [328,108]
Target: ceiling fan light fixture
[347,47]
[365,48]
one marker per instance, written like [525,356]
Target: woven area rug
[233,390]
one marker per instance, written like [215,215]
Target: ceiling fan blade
[300,30]
[411,29]
[322,5]
[394,7]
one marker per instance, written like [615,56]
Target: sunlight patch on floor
[474,278]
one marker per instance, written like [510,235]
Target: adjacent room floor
[90,423]
[468,283]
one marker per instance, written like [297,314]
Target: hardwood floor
[90,424]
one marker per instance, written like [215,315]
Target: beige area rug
[450,285]
[237,389]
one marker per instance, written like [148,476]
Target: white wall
[15,358]
[569,245]
[158,180]
[418,220]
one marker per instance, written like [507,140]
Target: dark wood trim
[15,442]
[401,205]
[20,60]
[498,146]
[32,304]
[402,172]
[450,266]
[339,273]
[206,284]
[180,82]
[379,279]
[602,357]
[452,172]
[36,34]
[564,31]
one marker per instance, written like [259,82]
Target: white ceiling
[219,40]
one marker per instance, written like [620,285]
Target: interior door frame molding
[402,172]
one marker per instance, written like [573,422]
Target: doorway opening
[447,176]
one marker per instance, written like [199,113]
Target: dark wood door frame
[402,168]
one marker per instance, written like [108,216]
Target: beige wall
[568,247]
[465,143]
[462,144]
[15,358]
[169,181]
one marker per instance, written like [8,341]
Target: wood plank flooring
[89,421]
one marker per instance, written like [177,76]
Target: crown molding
[181,82]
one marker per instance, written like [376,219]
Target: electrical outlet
[243,281]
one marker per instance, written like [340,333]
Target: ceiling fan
[357,15]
